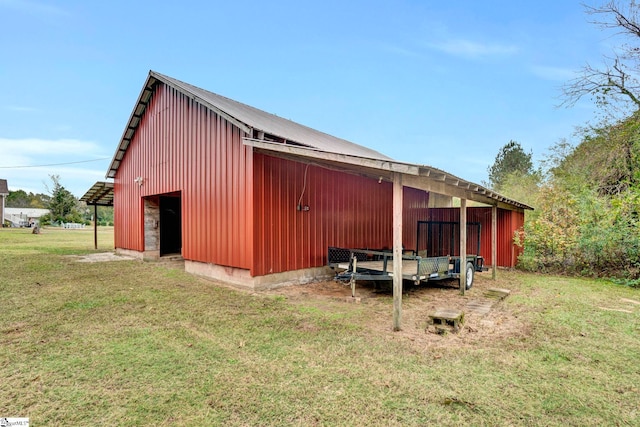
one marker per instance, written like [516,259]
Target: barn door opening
[170,224]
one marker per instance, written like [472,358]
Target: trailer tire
[470,272]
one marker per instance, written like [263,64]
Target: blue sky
[441,83]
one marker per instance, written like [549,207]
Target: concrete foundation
[241,278]
[130,253]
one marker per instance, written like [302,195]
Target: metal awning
[101,194]
[417,176]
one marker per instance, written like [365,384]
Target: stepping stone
[497,293]
[479,307]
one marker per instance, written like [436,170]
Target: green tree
[587,220]
[17,199]
[608,158]
[63,205]
[22,199]
[510,160]
[105,215]
[522,187]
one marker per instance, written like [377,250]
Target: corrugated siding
[508,223]
[344,210]
[183,147]
[415,208]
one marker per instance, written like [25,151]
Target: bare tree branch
[616,82]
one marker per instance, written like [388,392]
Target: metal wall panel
[181,146]
[344,210]
[239,209]
[508,223]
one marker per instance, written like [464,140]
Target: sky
[440,83]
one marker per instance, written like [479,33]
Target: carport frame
[400,174]
[100,194]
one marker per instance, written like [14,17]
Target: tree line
[586,197]
[63,206]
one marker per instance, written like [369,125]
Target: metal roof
[101,194]
[249,119]
[4,188]
[418,176]
[26,212]
[275,134]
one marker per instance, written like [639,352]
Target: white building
[23,217]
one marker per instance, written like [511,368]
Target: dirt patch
[480,328]
[100,257]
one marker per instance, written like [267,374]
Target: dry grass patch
[138,343]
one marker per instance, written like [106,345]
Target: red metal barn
[253,199]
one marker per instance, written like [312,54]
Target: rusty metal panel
[181,146]
[344,210]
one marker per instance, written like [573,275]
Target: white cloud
[472,49]
[36,180]
[554,73]
[27,163]
[19,109]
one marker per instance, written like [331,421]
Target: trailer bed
[364,264]
[409,267]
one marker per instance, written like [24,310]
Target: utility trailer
[418,266]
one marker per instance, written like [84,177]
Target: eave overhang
[417,176]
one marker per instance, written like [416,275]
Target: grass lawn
[140,343]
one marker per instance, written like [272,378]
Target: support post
[95,226]
[463,245]
[494,242]
[397,251]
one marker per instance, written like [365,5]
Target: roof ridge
[193,89]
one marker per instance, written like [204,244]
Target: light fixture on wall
[139,181]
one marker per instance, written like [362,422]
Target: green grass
[137,343]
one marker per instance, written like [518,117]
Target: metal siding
[182,146]
[508,223]
[344,210]
[415,208]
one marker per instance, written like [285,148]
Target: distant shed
[253,199]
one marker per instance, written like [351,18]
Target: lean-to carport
[401,174]
[100,194]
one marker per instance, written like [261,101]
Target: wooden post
[463,245]
[95,226]
[397,251]
[494,242]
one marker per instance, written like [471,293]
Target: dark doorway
[170,225]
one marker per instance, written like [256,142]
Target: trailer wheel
[470,272]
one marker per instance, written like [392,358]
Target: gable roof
[4,188]
[250,119]
[274,134]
